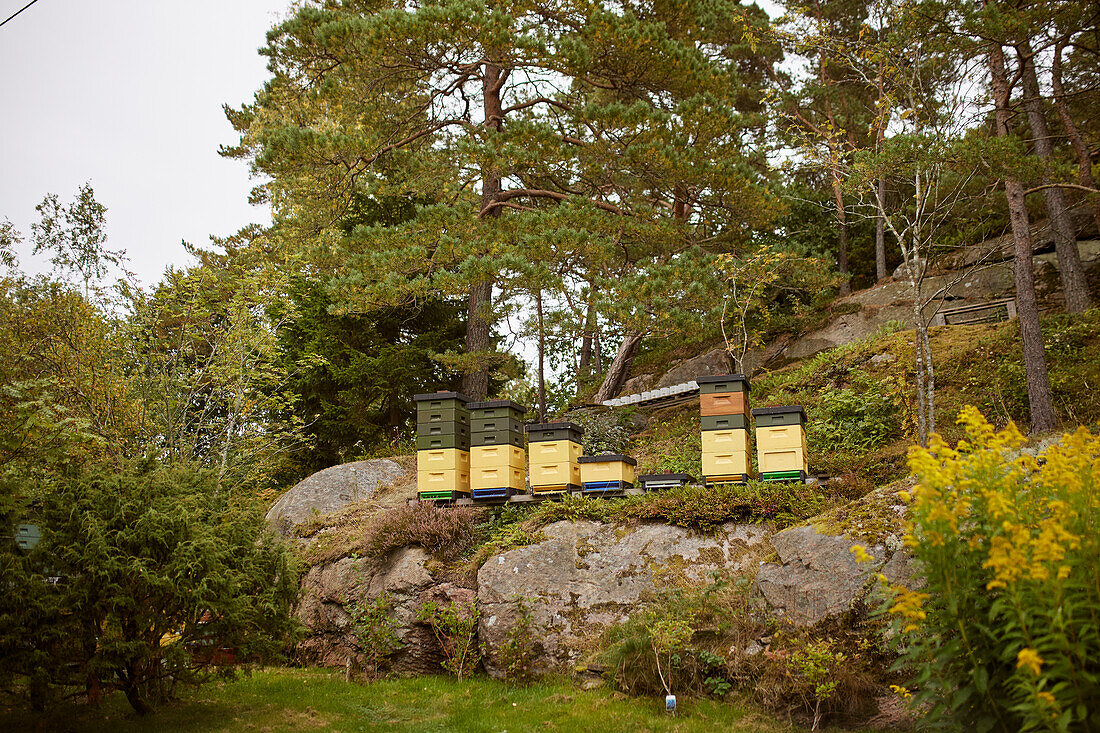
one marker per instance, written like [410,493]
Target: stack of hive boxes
[498,463]
[554,449]
[781,443]
[607,473]
[724,417]
[442,445]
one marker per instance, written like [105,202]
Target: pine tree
[613,139]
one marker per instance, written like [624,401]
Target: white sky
[127,94]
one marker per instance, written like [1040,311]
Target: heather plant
[447,534]
[1006,634]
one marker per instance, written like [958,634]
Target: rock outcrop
[818,576]
[712,363]
[586,576]
[330,490]
[331,591]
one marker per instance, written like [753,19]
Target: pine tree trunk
[620,367]
[542,359]
[478,331]
[1027,306]
[1080,150]
[842,223]
[585,367]
[1074,284]
[880,232]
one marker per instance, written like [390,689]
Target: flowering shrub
[1006,635]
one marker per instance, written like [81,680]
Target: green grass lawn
[315,699]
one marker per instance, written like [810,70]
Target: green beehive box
[439,442]
[442,415]
[722,384]
[497,437]
[498,408]
[542,432]
[766,417]
[740,421]
[493,424]
[439,401]
[443,428]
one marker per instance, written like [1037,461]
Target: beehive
[607,472]
[497,459]
[658,481]
[724,420]
[443,445]
[781,443]
[553,452]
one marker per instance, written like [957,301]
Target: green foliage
[354,374]
[75,235]
[704,509]
[810,672]
[604,431]
[1004,635]
[455,628]
[852,421]
[519,650]
[375,630]
[144,569]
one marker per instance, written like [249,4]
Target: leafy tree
[143,571]
[76,236]
[354,374]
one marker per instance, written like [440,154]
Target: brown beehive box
[726,403]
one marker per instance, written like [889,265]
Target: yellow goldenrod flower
[861,554]
[1029,658]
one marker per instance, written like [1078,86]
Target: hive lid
[786,410]
[555,426]
[441,396]
[724,378]
[607,458]
[659,476]
[496,403]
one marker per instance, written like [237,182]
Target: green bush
[455,628]
[1006,635]
[375,631]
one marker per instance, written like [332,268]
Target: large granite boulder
[330,490]
[818,576]
[586,576]
[710,364]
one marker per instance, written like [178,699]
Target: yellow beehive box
[553,474]
[780,437]
[553,451]
[607,468]
[725,441]
[498,477]
[443,459]
[791,459]
[496,456]
[443,480]
[725,464]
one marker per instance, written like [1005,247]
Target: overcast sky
[128,94]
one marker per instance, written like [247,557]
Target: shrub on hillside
[447,534]
[1006,635]
[703,509]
